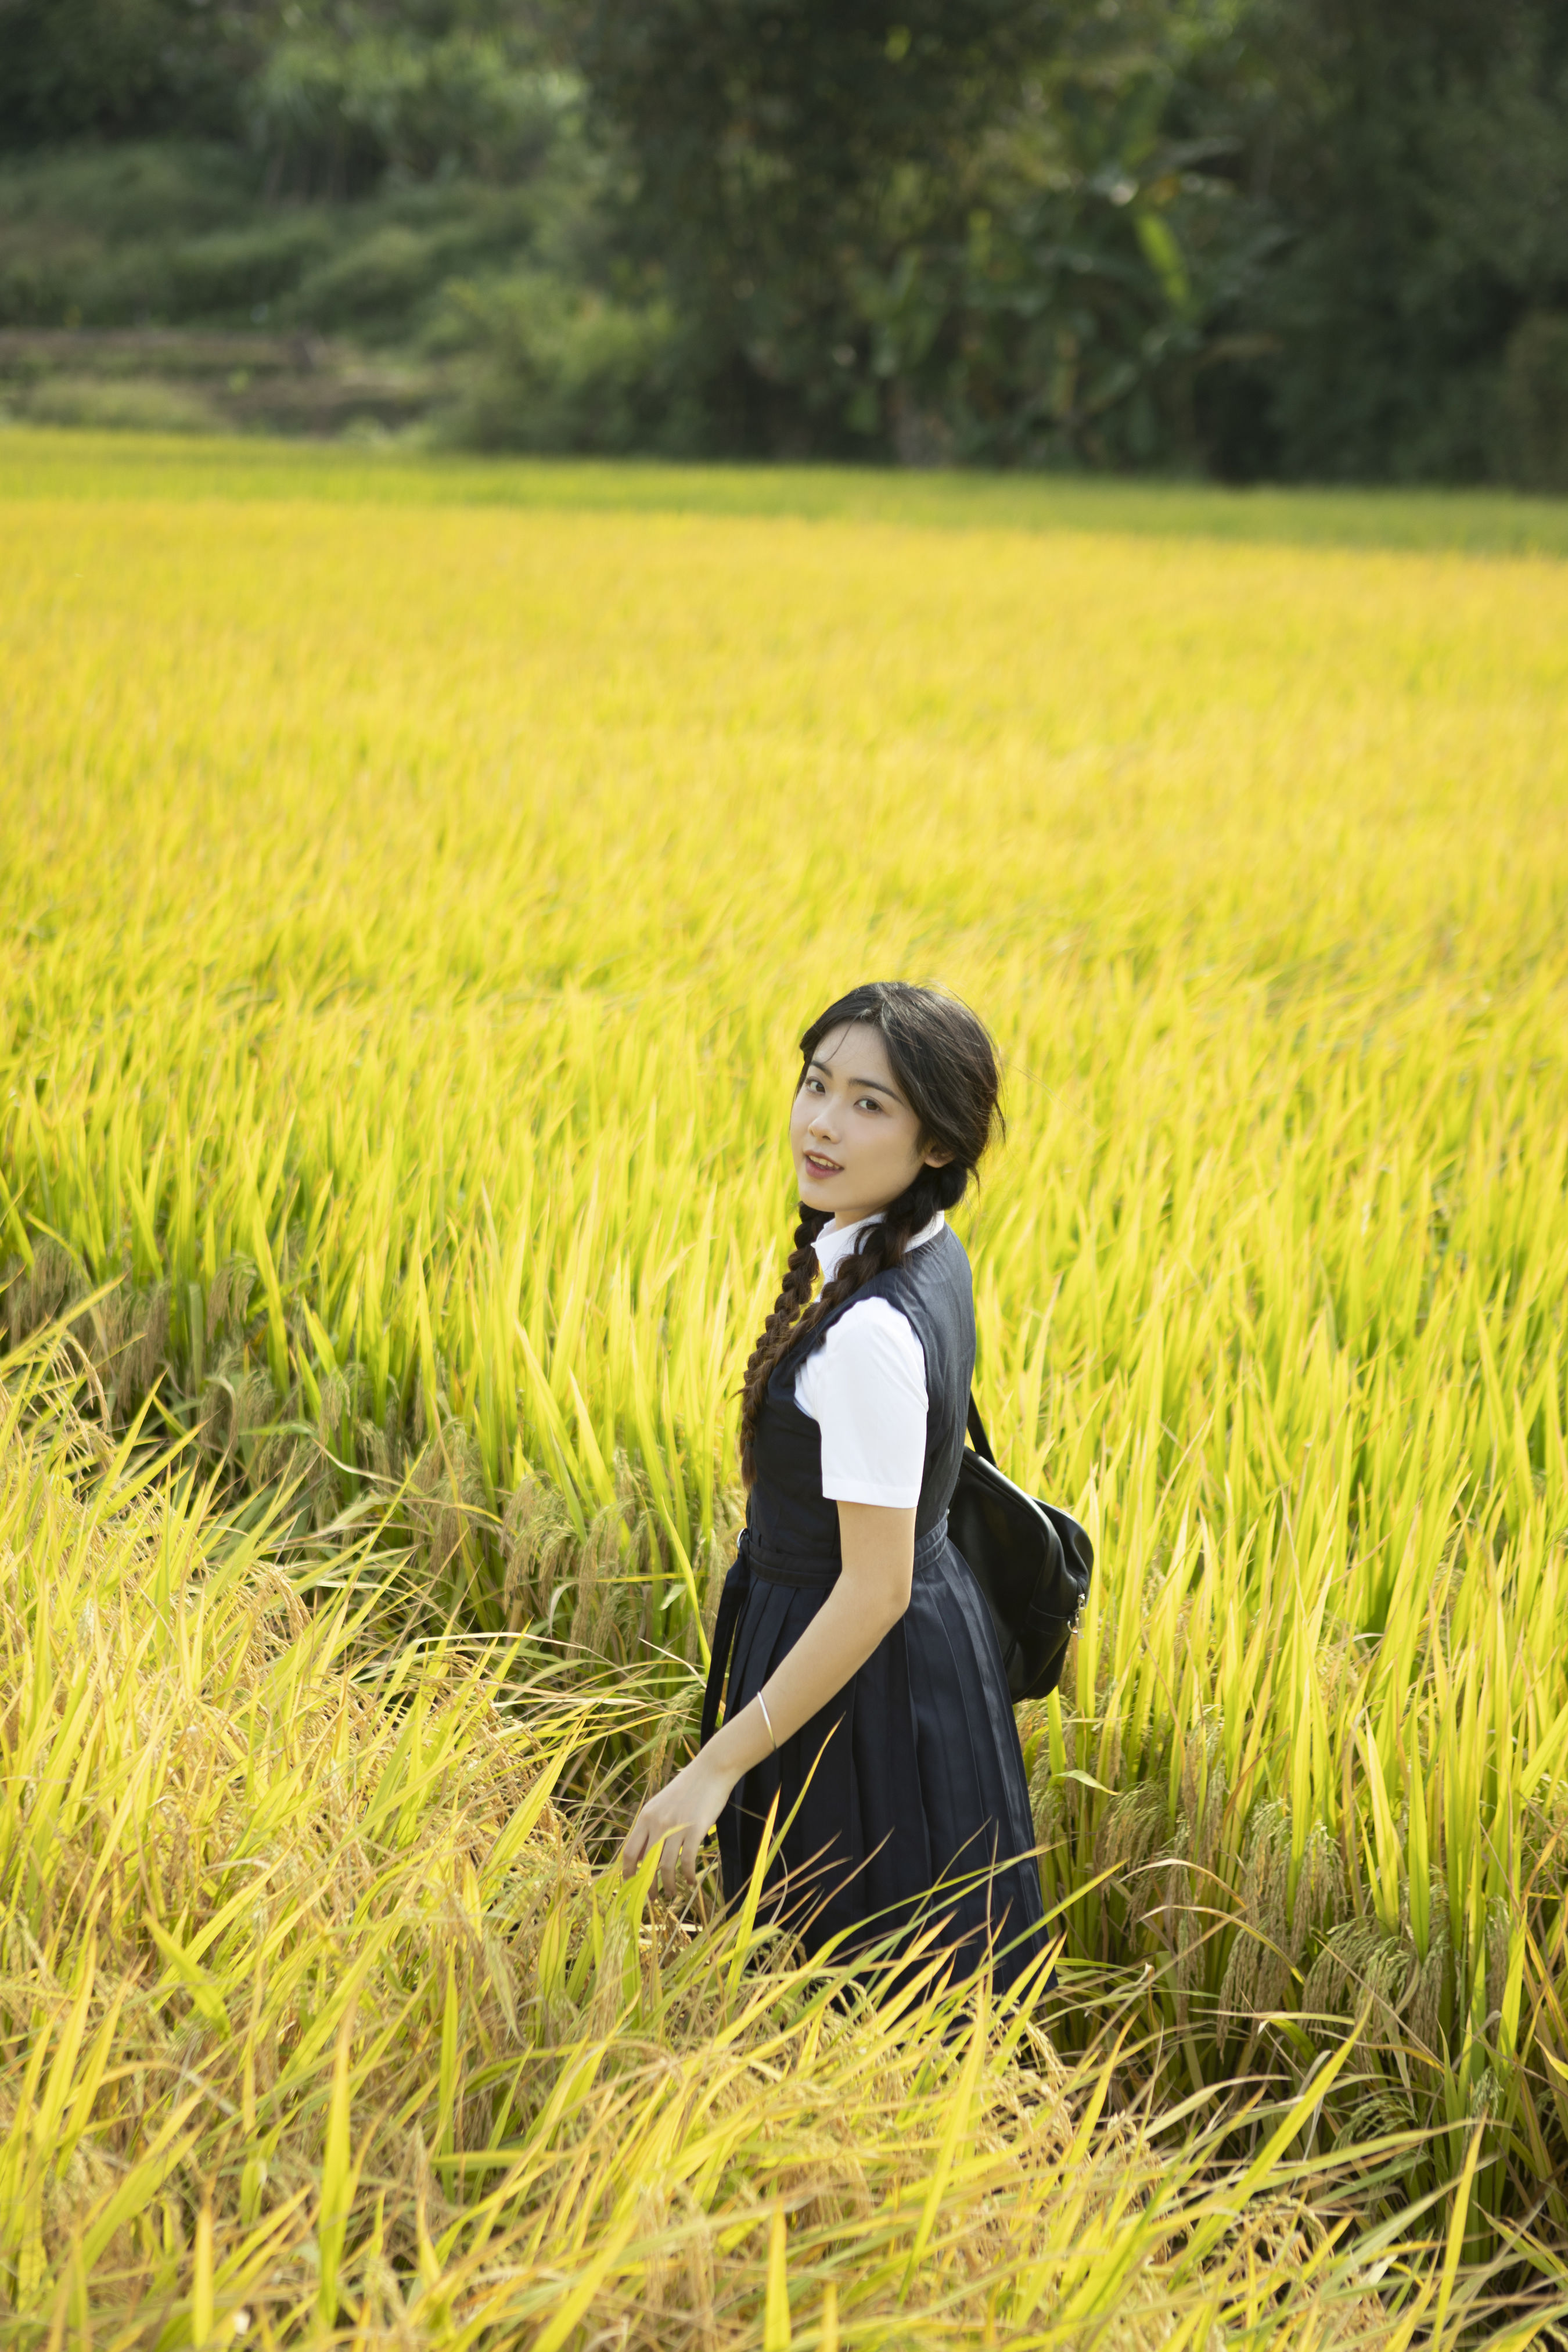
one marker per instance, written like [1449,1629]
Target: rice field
[411,893]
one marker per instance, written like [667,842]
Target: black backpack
[1032,1562]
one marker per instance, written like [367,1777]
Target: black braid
[794,1292]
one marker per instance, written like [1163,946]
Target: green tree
[766,140]
[1412,157]
[975,228]
[122,68]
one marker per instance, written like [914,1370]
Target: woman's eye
[867,1102]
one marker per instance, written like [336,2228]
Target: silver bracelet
[767,1719]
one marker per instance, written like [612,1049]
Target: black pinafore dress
[916,1807]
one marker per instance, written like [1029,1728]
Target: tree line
[1291,239]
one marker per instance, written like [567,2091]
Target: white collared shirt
[865,1387]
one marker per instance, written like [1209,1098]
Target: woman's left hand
[681,1814]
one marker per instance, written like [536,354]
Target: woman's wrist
[744,1740]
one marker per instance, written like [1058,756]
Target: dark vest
[790,1521]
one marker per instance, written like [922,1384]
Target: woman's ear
[938,1158]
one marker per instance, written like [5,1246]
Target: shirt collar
[834,1245]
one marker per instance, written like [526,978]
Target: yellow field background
[408,912]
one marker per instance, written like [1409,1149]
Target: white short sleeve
[864,1388]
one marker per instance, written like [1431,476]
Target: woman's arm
[871,1596]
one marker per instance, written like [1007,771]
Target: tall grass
[408,914]
[318,2026]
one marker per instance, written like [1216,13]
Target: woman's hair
[946,1067]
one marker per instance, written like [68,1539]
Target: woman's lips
[820,1167]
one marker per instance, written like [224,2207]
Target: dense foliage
[1303,238]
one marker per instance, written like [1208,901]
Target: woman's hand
[682,1813]
[870,1595]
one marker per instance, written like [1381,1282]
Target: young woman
[866,1689]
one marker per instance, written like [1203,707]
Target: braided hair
[945,1063]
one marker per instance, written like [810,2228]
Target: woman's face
[857,1142]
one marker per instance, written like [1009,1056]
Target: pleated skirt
[903,1803]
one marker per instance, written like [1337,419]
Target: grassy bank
[38,463]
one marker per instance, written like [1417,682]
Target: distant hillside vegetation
[378,219]
[162,283]
[1297,239]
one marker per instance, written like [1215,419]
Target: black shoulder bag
[1032,1562]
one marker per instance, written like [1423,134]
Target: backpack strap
[977,1432]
